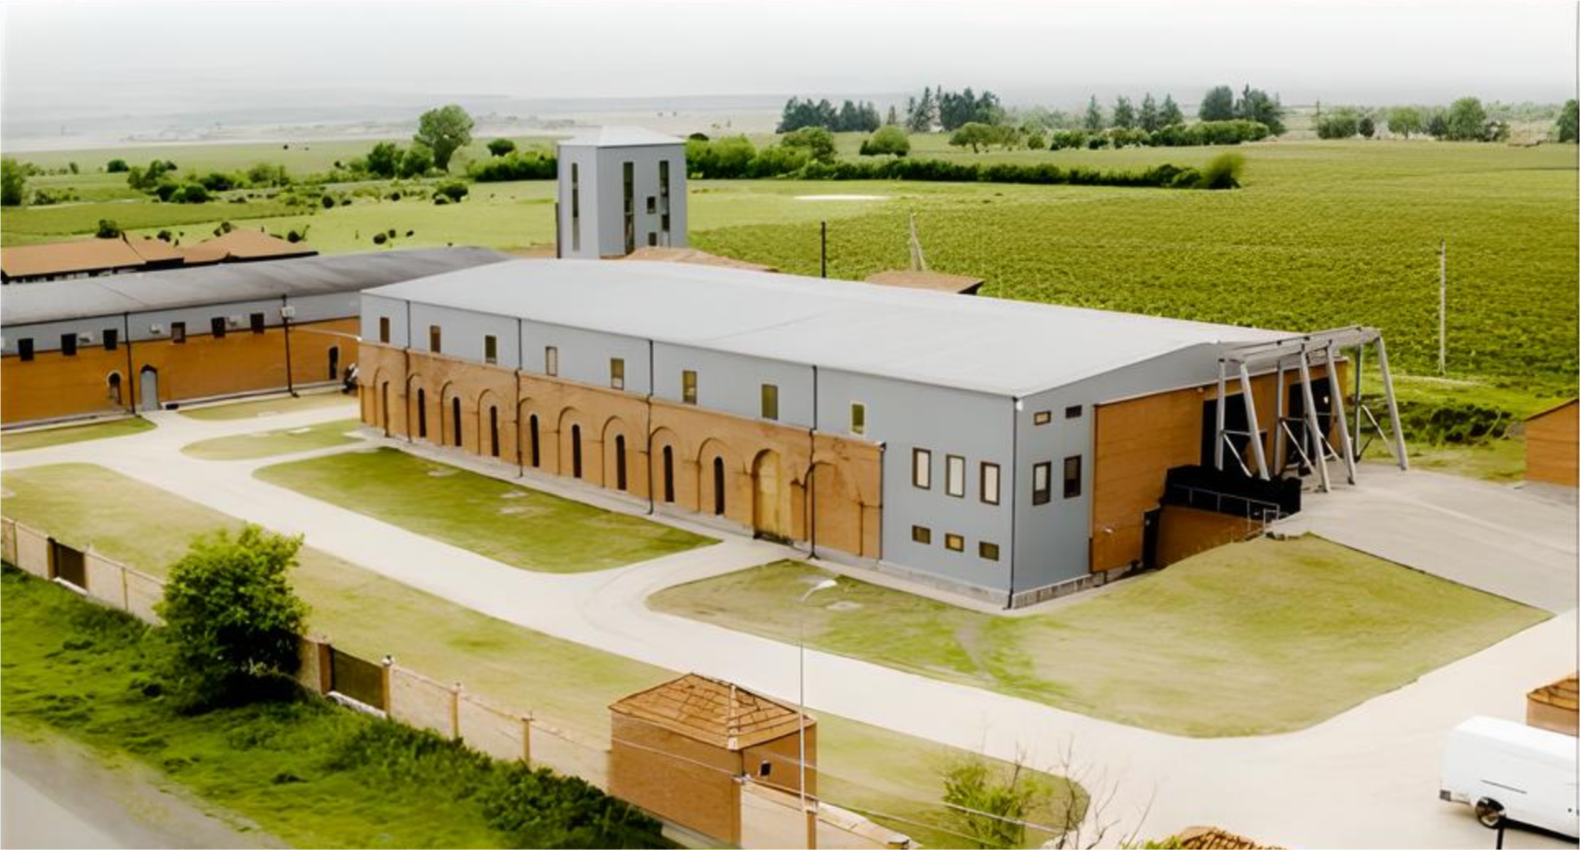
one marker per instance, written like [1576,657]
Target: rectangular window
[858,418]
[629,175]
[922,468]
[954,543]
[384,329]
[955,475]
[68,344]
[652,205]
[435,339]
[922,534]
[770,401]
[24,348]
[1042,417]
[257,323]
[987,551]
[576,208]
[112,339]
[1072,477]
[617,373]
[663,198]
[990,483]
[490,349]
[178,331]
[688,386]
[551,360]
[216,326]
[1072,412]
[1042,483]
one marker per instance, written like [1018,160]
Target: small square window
[24,348]
[955,476]
[68,344]
[921,534]
[112,339]
[178,332]
[551,360]
[257,322]
[652,239]
[652,205]
[987,551]
[1072,412]
[1042,417]
[688,386]
[990,483]
[490,349]
[954,543]
[1042,483]
[770,401]
[617,373]
[384,329]
[216,326]
[435,339]
[922,468]
[858,418]
[1072,477]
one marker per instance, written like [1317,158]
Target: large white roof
[619,137]
[988,345]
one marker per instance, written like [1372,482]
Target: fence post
[455,711]
[526,739]
[126,594]
[389,664]
[326,666]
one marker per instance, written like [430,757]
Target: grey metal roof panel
[984,344]
[619,137]
[224,283]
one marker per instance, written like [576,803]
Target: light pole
[825,584]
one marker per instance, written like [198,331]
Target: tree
[231,617]
[973,135]
[1437,125]
[108,229]
[415,162]
[384,160]
[1569,122]
[13,183]
[1367,126]
[921,115]
[1405,120]
[991,803]
[1094,115]
[818,143]
[1171,113]
[1466,121]
[1124,114]
[1340,123]
[888,140]
[894,117]
[444,131]
[1216,105]
[500,147]
[116,166]
[1256,105]
[1149,119]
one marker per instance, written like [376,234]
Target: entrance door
[334,362]
[1150,524]
[384,407]
[767,512]
[148,383]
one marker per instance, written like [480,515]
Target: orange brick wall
[1552,446]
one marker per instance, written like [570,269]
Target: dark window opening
[434,339]
[1072,412]
[68,345]
[384,329]
[422,414]
[216,326]
[112,339]
[115,388]
[718,486]
[652,205]
[532,434]
[455,416]
[24,348]
[669,474]
[576,450]
[921,534]
[1072,477]
[1042,483]
[178,331]
[257,322]
[334,362]
[987,551]
[490,349]
[652,239]
[619,462]
[629,174]
[493,431]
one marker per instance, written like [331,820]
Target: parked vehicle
[1511,772]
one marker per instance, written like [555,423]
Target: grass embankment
[60,436]
[275,406]
[270,443]
[307,771]
[524,528]
[1248,639]
[561,683]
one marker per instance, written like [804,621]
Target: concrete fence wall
[7,540]
[32,550]
[773,818]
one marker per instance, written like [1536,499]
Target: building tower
[621,188]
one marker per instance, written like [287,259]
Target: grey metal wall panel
[584,356]
[733,383]
[462,333]
[586,160]
[611,196]
[375,307]
[319,308]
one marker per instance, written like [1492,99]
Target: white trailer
[1508,771]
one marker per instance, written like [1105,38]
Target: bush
[1004,797]
[517,165]
[816,141]
[379,239]
[500,147]
[454,190]
[216,181]
[190,193]
[415,162]
[108,229]
[116,166]
[232,619]
[327,202]
[1223,172]
[13,183]
[888,141]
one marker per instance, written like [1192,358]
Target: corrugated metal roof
[713,712]
[984,344]
[619,137]
[61,300]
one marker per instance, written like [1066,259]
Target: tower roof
[619,137]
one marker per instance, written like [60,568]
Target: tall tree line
[850,117]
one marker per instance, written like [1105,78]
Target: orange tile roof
[713,712]
[1213,838]
[155,250]
[695,257]
[936,281]
[58,258]
[1564,693]
[244,243]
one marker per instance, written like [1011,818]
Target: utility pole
[823,247]
[1442,307]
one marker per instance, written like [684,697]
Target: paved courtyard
[1367,777]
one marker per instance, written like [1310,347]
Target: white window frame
[922,469]
[955,476]
[990,477]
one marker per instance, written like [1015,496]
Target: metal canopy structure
[1303,433]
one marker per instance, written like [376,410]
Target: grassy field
[191,222]
[565,684]
[59,436]
[1262,637]
[524,528]
[270,443]
[266,407]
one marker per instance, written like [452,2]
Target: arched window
[619,462]
[422,413]
[576,450]
[493,431]
[669,474]
[455,414]
[532,429]
[718,486]
[115,388]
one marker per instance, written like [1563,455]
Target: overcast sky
[76,57]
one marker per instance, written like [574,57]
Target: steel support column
[1314,431]
[1345,447]
[1257,449]
[1279,400]
[1217,446]
[1393,405]
[1360,352]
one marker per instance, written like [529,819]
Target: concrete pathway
[1513,543]
[1366,778]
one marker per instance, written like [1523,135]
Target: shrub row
[944,171]
[1173,136]
[515,165]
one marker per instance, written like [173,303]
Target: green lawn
[269,407]
[514,525]
[269,443]
[562,683]
[195,222]
[1248,639]
[61,435]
